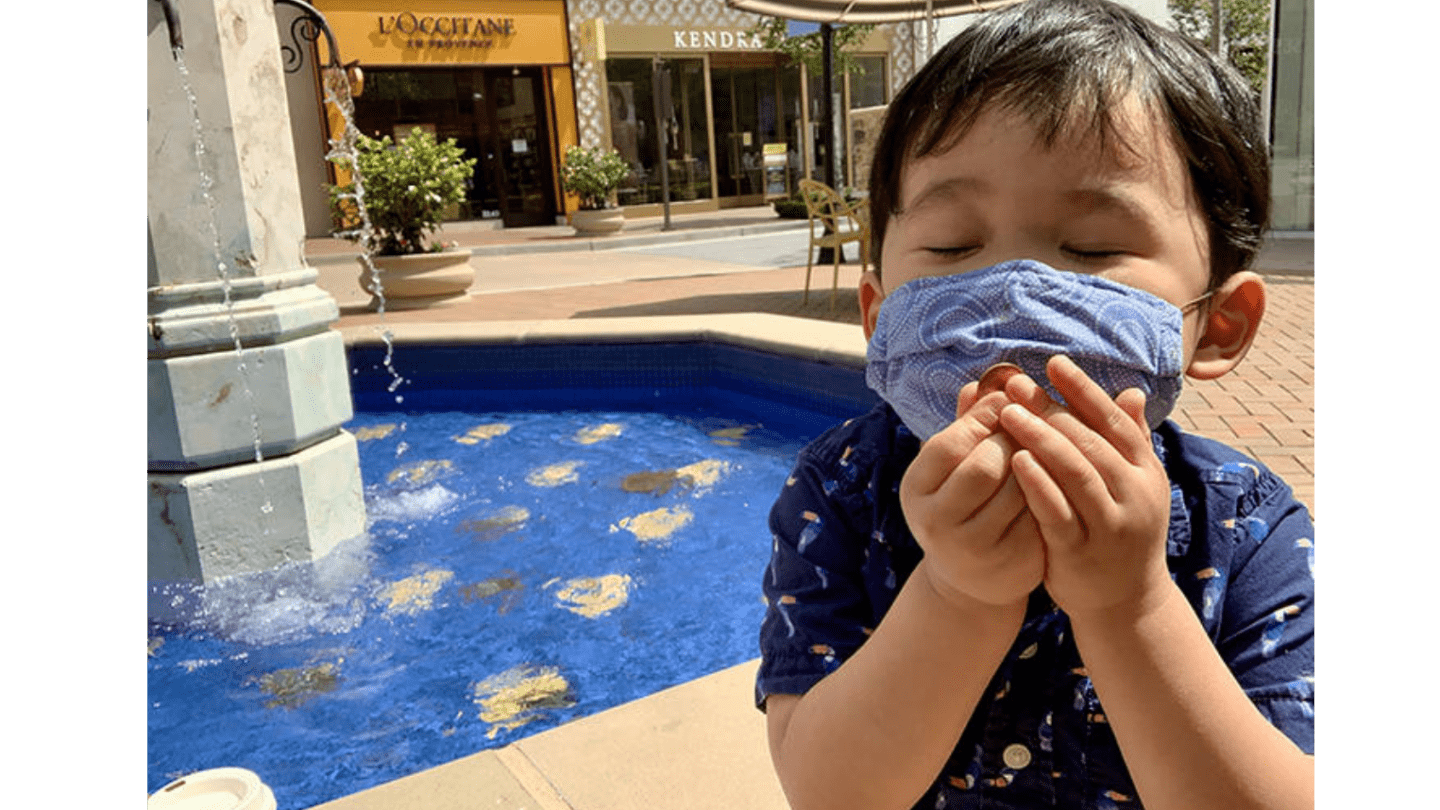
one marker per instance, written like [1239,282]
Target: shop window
[867,86]
[495,115]
[629,83]
[866,95]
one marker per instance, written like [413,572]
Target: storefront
[494,75]
[742,125]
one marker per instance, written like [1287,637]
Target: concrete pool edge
[820,341]
[695,746]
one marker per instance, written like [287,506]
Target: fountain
[248,467]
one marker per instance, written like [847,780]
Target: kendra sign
[710,40]
[665,39]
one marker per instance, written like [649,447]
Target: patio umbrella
[865,11]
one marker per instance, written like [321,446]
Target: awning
[865,11]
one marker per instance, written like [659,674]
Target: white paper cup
[215,789]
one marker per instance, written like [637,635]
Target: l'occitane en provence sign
[449,31]
[446,32]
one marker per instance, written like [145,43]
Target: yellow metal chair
[840,223]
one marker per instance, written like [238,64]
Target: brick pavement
[1266,407]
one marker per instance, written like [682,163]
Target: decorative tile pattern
[589,87]
[902,44]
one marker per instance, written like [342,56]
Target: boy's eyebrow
[1090,199]
[1104,199]
[943,191]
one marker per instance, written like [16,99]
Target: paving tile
[1206,424]
[1223,401]
[1247,427]
[1261,408]
[1290,436]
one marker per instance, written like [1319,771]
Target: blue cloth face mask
[936,334]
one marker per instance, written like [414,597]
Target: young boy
[1037,592]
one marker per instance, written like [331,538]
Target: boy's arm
[876,732]
[1190,736]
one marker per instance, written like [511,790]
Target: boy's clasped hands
[1020,490]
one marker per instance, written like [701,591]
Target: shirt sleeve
[1267,629]
[818,611]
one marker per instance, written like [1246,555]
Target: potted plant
[406,188]
[594,174]
[791,208]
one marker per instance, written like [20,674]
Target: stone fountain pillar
[214,511]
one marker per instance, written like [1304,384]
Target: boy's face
[999,194]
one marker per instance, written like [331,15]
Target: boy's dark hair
[1067,65]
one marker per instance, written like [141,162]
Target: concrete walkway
[702,744]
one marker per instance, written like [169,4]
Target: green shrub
[594,174]
[791,208]
[407,188]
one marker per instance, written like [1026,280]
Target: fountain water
[247,386]
[344,149]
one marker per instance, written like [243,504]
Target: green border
[1377,301]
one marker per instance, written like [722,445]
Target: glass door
[630,85]
[746,118]
[511,127]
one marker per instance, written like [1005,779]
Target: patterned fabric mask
[936,334]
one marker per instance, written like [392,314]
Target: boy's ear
[1231,321]
[871,294]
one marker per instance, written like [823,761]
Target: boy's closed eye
[1092,253]
[1082,252]
[953,252]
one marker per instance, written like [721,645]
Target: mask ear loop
[1191,306]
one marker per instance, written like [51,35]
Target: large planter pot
[597,222]
[420,279]
[791,209]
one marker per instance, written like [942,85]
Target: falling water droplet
[336,85]
[207,182]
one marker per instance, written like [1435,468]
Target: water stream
[343,148]
[222,268]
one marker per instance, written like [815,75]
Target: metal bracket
[305,31]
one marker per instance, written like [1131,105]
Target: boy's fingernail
[1021,412]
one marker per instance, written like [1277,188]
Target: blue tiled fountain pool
[553,531]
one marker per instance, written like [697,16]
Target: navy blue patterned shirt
[1239,546]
